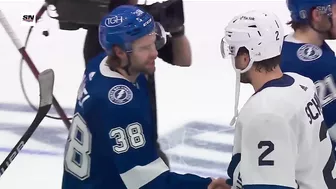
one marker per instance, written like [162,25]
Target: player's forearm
[181,51]
[156,174]
[170,180]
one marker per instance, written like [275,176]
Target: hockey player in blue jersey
[112,141]
[306,52]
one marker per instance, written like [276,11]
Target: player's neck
[261,78]
[309,36]
[129,76]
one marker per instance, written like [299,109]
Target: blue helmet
[300,9]
[124,25]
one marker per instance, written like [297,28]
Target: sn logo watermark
[28,19]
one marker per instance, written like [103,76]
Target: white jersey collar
[290,38]
[107,72]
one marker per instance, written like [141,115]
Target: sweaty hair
[113,62]
[297,25]
[267,65]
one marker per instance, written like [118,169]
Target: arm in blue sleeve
[326,90]
[135,154]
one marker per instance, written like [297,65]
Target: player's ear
[316,15]
[246,59]
[120,53]
[120,56]
[244,56]
[240,61]
[320,20]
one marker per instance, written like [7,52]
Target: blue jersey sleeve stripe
[139,176]
[262,186]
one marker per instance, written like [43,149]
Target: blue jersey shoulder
[318,64]
[104,85]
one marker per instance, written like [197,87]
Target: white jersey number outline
[326,90]
[78,149]
[132,136]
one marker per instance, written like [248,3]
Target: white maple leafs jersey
[281,141]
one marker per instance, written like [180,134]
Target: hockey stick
[30,63]
[46,83]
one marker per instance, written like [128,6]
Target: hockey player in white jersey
[280,137]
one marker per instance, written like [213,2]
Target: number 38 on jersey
[78,148]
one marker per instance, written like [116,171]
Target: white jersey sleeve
[268,153]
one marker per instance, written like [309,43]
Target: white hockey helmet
[260,32]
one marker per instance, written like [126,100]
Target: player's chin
[150,68]
[148,71]
[333,36]
[332,33]
[151,71]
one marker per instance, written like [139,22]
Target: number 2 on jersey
[268,150]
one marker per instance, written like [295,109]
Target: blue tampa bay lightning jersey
[111,143]
[318,64]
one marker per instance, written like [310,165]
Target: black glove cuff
[178,33]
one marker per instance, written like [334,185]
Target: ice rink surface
[195,104]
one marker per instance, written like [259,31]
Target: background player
[305,51]
[112,142]
[280,138]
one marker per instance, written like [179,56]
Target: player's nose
[154,53]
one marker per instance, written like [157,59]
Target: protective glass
[161,36]
[160,41]
[227,51]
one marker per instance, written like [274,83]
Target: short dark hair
[302,25]
[297,25]
[267,65]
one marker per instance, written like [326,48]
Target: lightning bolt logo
[309,51]
[121,93]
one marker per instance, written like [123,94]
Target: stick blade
[46,82]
